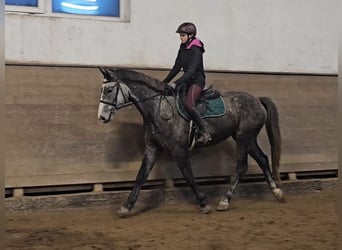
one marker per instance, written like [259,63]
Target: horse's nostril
[102,118]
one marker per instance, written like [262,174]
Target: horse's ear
[105,73]
[102,70]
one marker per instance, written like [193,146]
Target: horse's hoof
[206,209]
[123,212]
[223,205]
[278,193]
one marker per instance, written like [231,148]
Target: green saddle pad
[207,108]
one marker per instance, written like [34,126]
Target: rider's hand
[169,90]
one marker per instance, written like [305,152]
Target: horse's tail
[273,132]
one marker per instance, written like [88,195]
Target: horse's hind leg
[241,169]
[150,156]
[185,167]
[262,160]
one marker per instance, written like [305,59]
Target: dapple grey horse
[243,120]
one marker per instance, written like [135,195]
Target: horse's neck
[145,99]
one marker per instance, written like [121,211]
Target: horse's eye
[108,90]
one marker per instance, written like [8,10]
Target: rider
[190,59]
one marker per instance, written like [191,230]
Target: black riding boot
[205,136]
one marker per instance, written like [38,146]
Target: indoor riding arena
[67,174]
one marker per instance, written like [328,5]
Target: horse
[167,130]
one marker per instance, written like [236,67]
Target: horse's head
[114,95]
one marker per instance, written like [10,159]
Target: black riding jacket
[190,59]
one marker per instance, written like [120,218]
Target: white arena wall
[254,36]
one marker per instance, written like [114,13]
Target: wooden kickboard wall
[53,136]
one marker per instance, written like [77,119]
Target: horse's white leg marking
[278,193]
[223,204]
[123,211]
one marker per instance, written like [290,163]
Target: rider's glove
[169,89]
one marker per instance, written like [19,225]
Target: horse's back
[239,100]
[246,108]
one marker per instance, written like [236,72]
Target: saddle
[209,104]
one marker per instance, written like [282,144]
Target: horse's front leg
[185,167]
[151,154]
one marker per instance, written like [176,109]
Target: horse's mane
[135,76]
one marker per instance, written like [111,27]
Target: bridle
[127,102]
[114,102]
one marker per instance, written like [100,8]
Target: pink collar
[195,42]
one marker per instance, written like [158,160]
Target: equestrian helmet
[187,28]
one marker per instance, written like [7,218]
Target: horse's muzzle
[104,119]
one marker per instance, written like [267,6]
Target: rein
[129,103]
